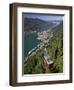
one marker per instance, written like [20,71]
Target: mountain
[36,24]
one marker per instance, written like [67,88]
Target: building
[47,58]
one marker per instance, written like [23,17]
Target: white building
[47,58]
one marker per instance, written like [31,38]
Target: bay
[30,42]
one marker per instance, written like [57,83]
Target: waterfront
[30,42]
[42,39]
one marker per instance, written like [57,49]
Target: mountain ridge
[35,24]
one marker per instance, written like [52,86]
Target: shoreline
[44,37]
[36,49]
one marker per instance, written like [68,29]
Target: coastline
[44,43]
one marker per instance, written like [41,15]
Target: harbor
[44,36]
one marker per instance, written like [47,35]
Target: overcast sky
[43,17]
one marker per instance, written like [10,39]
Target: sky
[46,17]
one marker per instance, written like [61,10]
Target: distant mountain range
[58,27]
[38,25]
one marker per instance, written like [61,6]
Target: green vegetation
[56,51]
[35,64]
